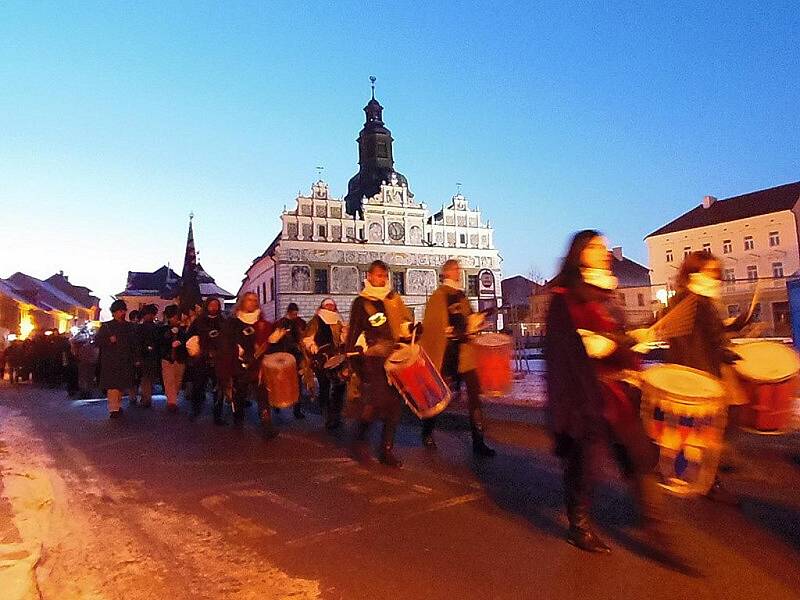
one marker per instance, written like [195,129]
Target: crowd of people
[210,354]
[592,400]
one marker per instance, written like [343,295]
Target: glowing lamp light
[74,330]
[26,326]
[663,295]
[11,337]
[49,332]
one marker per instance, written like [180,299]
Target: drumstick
[756,298]
[677,322]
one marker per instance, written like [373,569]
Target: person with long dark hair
[706,347]
[207,363]
[588,403]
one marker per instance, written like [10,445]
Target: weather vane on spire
[372,80]
[320,169]
[191,215]
[458,188]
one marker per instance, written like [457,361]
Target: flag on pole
[189,295]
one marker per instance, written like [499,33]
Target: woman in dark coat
[706,347]
[588,403]
[117,344]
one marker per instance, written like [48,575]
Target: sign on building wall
[487,296]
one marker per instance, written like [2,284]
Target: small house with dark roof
[755,236]
[161,287]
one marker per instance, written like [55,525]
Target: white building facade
[756,238]
[326,244]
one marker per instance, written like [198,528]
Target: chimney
[708,201]
[617,252]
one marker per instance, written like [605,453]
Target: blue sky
[117,120]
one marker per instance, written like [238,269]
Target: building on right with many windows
[755,236]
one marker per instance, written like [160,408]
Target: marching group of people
[223,356]
[592,402]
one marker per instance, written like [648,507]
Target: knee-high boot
[387,445]
[428,425]
[576,496]
[479,446]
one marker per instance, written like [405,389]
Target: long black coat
[575,400]
[117,357]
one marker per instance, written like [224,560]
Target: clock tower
[375,159]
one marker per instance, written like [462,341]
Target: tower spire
[372,80]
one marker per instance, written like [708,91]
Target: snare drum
[494,352]
[769,374]
[683,410]
[410,370]
[279,375]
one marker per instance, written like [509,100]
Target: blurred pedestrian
[117,343]
[172,349]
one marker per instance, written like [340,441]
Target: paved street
[154,506]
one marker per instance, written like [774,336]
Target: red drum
[279,375]
[494,352]
[410,370]
[769,374]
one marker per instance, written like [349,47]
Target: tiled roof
[761,202]
[630,273]
[166,283]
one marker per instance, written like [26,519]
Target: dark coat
[291,341]
[116,357]
[211,332]
[167,335]
[147,340]
[575,400]
[706,346]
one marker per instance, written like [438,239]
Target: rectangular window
[263,292]
[727,247]
[321,231]
[622,299]
[748,242]
[777,269]
[361,233]
[752,272]
[729,275]
[320,281]
[733,310]
[774,238]
[399,282]
[463,238]
[669,256]
[707,248]
[472,285]
[756,313]
[640,299]
[687,251]
[272,289]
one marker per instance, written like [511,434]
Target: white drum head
[404,355]
[766,362]
[689,384]
[279,360]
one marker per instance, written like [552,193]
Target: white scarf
[248,317]
[453,284]
[370,292]
[703,285]
[599,278]
[329,317]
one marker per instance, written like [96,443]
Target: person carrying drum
[290,342]
[706,346]
[448,325]
[206,346]
[588,403]
[324,339]
[378,320]
[248,338]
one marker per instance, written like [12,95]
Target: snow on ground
[85,538]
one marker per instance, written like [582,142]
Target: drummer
[448,325]
[324,339]
[706,347]
[588,403]
[378,320]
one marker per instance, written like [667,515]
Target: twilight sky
[118,119]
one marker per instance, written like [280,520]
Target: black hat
[149,309]
[292,307]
